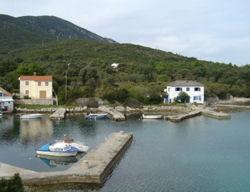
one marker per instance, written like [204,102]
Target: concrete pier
[180,117]
[58,114]
[115,115]
[215,114]
[93,168]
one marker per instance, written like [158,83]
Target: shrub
[14,184]
[183,96]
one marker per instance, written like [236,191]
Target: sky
[212,30]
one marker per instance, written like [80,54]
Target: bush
[119,95]
[92,103]
[183,96]
[132,102]
[26,97]
[14,184]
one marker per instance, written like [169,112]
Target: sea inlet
[197,154]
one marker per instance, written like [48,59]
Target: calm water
[198,154]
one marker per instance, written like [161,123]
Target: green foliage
[14,184]
[119,95]
[143,72]
[183,96]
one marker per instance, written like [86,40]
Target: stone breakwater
[118,113]
[93,168]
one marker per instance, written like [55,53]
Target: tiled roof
[5,93]
[36,78]
[185,83]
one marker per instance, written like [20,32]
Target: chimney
[34,73]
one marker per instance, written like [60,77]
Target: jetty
[92,169]
[215,114]
[58,114]
[180,117]
[115,114]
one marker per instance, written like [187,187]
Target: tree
[183,96]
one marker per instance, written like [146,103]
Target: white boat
[32,116]
[59,149]
[97,116]
[82,147]
[153,116]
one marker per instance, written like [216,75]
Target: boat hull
[31,116]
[97,116]
[152,116]
[57,154]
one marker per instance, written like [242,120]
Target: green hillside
[142,74]
[19,32]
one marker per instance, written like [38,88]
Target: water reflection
[32,130]
[53,161]
[8,130]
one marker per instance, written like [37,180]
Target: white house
[36,87]
[115,65]
[6,101]
[194,89]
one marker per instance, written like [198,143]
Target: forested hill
[17,32]
[142,74]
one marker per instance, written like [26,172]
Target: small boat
[82,147]
[32,116]
[59,149]
[153,116]
[97,116]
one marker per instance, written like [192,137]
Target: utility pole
[66,83]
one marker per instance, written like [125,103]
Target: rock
[58,114]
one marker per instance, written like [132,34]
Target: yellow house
[36,87]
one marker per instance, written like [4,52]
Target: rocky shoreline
[118,113]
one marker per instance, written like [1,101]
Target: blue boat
[57,149]
[97,116]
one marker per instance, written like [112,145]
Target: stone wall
[36,101]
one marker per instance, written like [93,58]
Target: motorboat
[97,116]
[82,147]
[59,149]
[32,116]
[151,116]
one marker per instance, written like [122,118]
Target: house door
[187,99]
[166,99]
[42,94]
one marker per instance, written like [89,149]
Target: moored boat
[31,116]
[97,116]
[59,149]
[82,147]
[152,116]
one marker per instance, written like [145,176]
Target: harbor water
[197,154]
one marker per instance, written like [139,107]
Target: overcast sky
[214,30]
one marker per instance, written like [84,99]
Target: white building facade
[36,87]
[194,90]
[6,101]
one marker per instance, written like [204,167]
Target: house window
[200,98]
[187,89]
[1,94]
[197,89]
[39,83]
[178,89]
[197,98]
[47,83]
[26,92]
[168,89]
[26,82]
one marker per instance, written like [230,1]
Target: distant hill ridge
[17,32]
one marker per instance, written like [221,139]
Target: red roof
[36,78]
[5,93]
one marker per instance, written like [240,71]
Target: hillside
[18,32]
[142,74]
